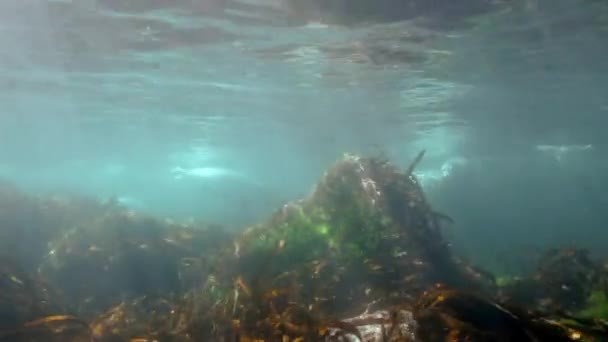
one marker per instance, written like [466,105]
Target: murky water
[226,109]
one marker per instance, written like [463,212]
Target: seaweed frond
[415,163]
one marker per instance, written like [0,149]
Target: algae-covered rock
[564,280]
[346,263]
[366,233]
[397,325]
[447,315]
[597,305]
[31,310]
[444,314]
[29,223]
[58,328]
[121,254]
[146,318]
[24,296]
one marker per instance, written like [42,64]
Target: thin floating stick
[415,163]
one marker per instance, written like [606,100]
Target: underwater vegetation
[361,258]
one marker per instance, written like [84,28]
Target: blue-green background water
[108,98]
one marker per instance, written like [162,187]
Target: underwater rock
[448,315]
[30,310]
[24,297]
[444,314]
[162,319]
[384,325]
[21,234]
[122,254]
[365,234]
[362,258]
[563,281]
[146,318]
[59,328]
[27,224]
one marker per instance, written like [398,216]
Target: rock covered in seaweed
[24,296]
[29,223]
[444,314]
[366,234]
[365,240]
[31,310]
[146,318]
[564,280]
[121,254]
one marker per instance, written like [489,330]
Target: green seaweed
[597,306]
[505,280]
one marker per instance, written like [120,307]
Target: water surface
[107,98]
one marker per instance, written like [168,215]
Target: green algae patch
[502,281]
[597,305]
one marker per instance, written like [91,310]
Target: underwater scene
[303,170]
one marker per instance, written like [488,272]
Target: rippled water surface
[216,107]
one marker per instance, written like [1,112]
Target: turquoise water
[225,110]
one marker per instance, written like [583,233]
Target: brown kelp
[444,314]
